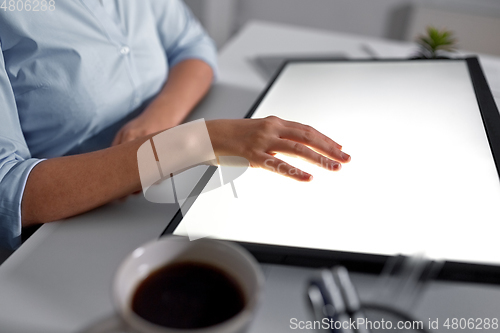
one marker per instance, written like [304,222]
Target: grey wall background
[376,18]
[366,17]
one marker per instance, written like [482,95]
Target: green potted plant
[436,44]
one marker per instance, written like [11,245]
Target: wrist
[220,132]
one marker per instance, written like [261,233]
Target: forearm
[187,83]
[62,187]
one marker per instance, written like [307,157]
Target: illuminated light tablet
[422,177]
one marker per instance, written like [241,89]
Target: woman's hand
[145,124]
[259,140]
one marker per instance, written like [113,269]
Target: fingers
[297,140]
[299,150]
[271,163]
[316,140]
[118,138]
[124,136]
[129,136]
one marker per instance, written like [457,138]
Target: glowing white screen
[421,180]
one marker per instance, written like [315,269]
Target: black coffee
[188,295]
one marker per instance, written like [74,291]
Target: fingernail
[308,177]
[346,157]
[336,166]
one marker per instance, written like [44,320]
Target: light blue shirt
[72,76]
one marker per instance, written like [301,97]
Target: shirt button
[125,50]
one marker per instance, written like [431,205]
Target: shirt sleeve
[15,164]
[182,35]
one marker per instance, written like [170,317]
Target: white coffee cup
[231,258]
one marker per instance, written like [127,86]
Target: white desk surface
[59,280]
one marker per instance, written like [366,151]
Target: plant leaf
[436,40]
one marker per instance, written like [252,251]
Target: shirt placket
[119,38]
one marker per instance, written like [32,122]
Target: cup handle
[110,324]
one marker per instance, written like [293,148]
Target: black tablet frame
[372,263]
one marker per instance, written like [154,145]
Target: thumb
[118,138]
